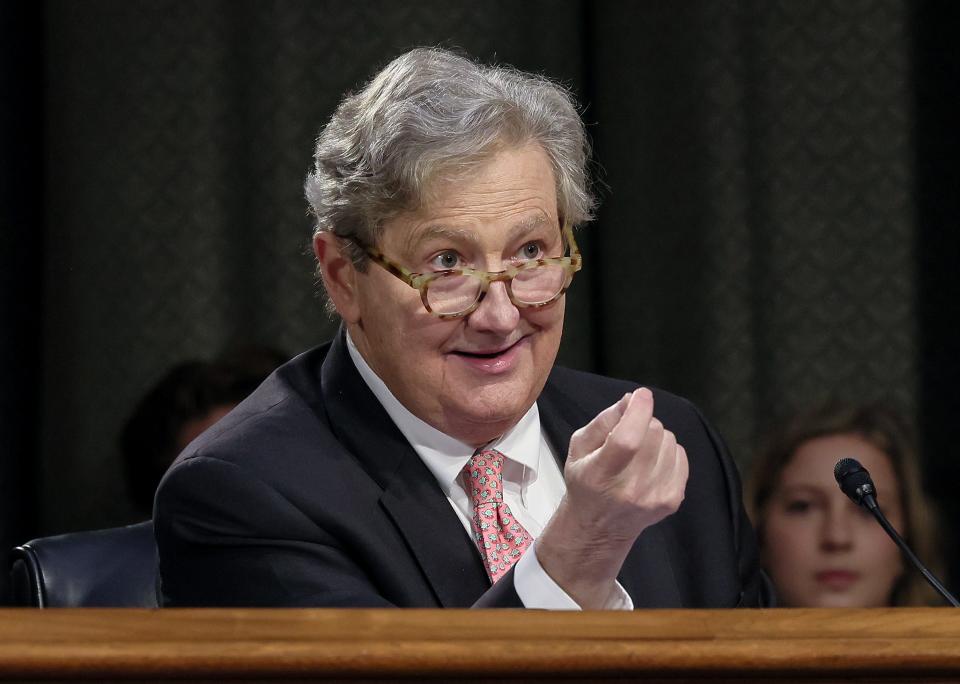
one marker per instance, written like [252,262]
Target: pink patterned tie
[500,538]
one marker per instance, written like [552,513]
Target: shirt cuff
[537,589]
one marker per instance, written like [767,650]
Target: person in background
[818,547]
[188,399]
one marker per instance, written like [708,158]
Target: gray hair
[431,112]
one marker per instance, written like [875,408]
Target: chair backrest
[115,567]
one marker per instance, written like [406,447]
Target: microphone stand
[871,505]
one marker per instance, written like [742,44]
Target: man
[431,455]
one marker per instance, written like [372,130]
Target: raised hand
[624,473]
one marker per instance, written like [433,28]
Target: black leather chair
[115,567]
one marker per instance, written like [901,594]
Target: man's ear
[339,275]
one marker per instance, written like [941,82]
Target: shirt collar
[443,455]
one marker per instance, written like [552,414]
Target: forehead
[813,462]
[512,191]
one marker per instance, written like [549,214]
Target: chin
[480,422]
[492,415]
[839,601]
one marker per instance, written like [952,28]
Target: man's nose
[496,313]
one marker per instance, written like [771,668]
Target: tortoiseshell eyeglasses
[457,292]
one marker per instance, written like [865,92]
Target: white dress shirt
[532,484]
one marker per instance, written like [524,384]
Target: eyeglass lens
[454,293]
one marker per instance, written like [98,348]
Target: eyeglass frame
[421,281]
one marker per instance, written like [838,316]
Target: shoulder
[591,393]
[277,451]
[283,418]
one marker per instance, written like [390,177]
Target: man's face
[473,377]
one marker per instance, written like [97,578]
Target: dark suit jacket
[307,494]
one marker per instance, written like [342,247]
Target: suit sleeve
[227,539]
[756,590]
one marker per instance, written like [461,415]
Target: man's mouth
[491,361]
[482,355]
[492,354]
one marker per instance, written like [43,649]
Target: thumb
[591,436]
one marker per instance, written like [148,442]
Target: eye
[797,506]
[446,260]
[531,251]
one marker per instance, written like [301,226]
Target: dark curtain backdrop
[778,221]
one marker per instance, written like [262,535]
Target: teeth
[485,355]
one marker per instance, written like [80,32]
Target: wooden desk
[907,645]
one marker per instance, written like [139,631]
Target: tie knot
[484,474]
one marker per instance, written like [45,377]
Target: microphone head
[854,480]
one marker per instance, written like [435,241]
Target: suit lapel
[446,553]
[647,573]
[411,496]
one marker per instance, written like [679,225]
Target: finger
[628,437]
[637,416]
[673,457]
[663,443]
[591,436]
[680,473]
[674,468]
[683,466]
[668,480]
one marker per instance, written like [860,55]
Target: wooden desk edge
[377,643]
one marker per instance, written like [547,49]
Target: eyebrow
[431,232]
[413,239]
[800,488]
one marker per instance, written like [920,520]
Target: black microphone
[855,482]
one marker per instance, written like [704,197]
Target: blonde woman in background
[817,546]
